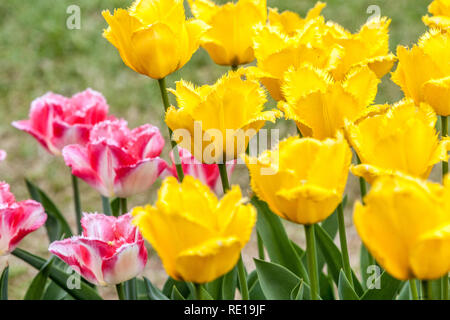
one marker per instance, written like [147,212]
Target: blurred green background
[38,53]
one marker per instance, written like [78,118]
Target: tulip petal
[137,178]
[426,266]
[128,262]
[437,94]
[98,226]
[159,44]
[208,261]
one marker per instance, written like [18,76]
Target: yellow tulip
[153,36]
[229,41]
[440,9]
[423,72]
[215,123]
[319,105]
[197,237]
[405,225]
[394,138]
[302,180]
[280,46]
[369,47]
[290,22]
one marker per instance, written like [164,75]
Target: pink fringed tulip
[117,161]
[208,174]
[110,251]
[56,121]
[17,219]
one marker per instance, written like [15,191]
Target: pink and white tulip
[110,251]
[56,121]
[17,219]
[117,161]
[207,173]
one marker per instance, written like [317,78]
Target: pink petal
[3,155]
[128,262]
[138,177]
[77,158]
[146,142]
[98,226]
[87,107]
[115,132]
[84,255]
[65,134]
[28,217]
[6,197]
[124,228]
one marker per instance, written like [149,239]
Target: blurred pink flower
[110,251]
[3,155]
[17,219]
[207,173]
[117,161]
[56,121]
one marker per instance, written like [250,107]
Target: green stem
[224,177]
[123,206]
[312,261]
[444,287]
[198,291]
[261,254]
[4,283]
[242,279]
[343,242]
[240,265]
[413,287]
[120,291]
[176,155]
[106,206]
[76,200]
[427,292]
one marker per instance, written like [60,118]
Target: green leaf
[405,292]
[54,292]
[176,295]
[387,289]
[297,292]
[4,284]
[153,292]
[364,262]
[56,224]
[326,287]
[275,239]
[229,284]
[38,285]
[276,281]
[331,225]
[254,288]
[115,207]
[333,257]
[59,276]
[345,289]
[181,286]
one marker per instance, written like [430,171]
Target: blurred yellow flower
[401,137]
[153,36]
[197,237]
[405,225]
[440,9]
[229,41]
[215,123]
[319,105]
[303,180]
[289,22]
[290,41]
[423,71]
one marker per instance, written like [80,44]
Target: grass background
[38,53]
